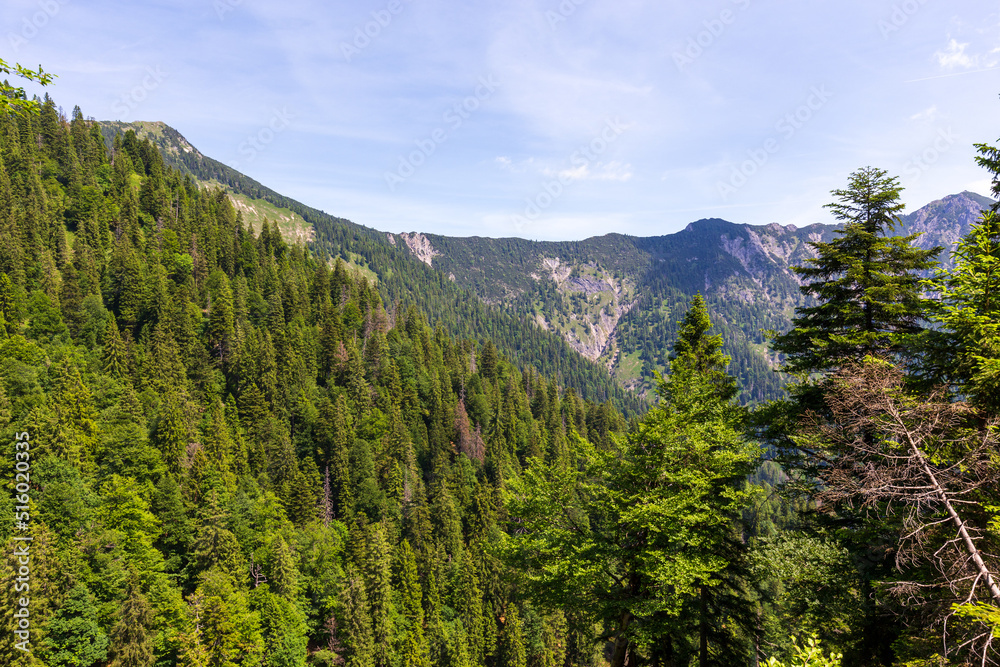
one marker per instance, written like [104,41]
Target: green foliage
[632,535]
[14,99]
[249,453]
[810,654]
[809,584]
[131,642]
[964,351]
[190,382]
[73,635]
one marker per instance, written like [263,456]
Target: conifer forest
[223,447]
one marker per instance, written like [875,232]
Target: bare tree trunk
[621,641]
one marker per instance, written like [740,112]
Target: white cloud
[506,164]
[954,56]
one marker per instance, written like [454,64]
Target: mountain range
[600,314]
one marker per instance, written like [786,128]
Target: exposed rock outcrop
[420,246]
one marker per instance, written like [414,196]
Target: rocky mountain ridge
[603,295]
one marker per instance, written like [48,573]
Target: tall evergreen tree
[358,638]
[415,650]
[631,536]
[866,283]
[131,643]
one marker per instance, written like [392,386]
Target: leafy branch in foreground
[14,99]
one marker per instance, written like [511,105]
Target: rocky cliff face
[420,246]
[601,301]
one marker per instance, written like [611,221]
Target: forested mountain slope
[236,456]
[401,279]
[221,448]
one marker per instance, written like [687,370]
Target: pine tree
[379,583]
[867,287]
[655,515]
[171,434]
[115,353]
[965,351]
[357,637]
[283,575]
[8,301]
[215,545]
[468,602]
[219,328]
[510,649]
[75,418]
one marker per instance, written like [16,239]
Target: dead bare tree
[923,462]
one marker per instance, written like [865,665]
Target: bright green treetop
[965,351]
[631,535]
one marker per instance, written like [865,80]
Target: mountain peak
[944,221]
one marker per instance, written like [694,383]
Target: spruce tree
[632,536]
[378,574]
[415,649]
[131,644]
[115,353]
[866,284]
[964,351]
[868,303]
[510,650]
[357,638]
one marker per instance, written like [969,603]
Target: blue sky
[547,119]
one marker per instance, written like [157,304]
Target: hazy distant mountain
[617,299]
[614,299]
